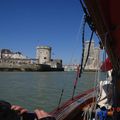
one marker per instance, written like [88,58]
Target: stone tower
[93,58]
[43,54]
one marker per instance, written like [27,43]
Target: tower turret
[43,54]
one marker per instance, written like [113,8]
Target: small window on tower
[44,57]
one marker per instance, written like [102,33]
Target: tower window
[45,58]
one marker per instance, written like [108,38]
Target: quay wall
[27,67]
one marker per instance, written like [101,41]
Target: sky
[26,24]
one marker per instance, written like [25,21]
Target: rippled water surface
[41,89]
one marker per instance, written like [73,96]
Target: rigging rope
[83,46]
[90,23]
[75,82]
[88,18]
[96,83]
[76,42]
[79,69]
[60,98]
[88,52]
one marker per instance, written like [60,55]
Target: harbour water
[42,89]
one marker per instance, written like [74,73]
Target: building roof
[44,47]
[6,51]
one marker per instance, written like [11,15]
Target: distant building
[55,63]
[72,67]
[10,60]
[8,54]
[93,59]
[9,57]
[43,54]
[18,55]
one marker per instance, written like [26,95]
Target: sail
[106,19]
